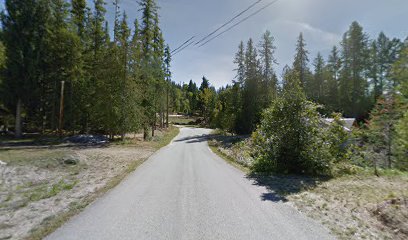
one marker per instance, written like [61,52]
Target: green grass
[46,191]
[166,138]
[228,159]
[185,120]
[43,158]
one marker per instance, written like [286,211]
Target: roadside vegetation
[297,144]
[63,75]
[79,108]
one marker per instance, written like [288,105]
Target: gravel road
[184,191]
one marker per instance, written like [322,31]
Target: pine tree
[117,25]
[354,94]
[204,84]
[251,109]
[381,126]
[316,87]
[267,59]
[238,86]
[373,71]
[152,78]
[97,65]
[78,13]
[159,75]
[126,93]
[63,64]
[240,62]
[207,100]
[167,72]
[399,73]
[192,96]
[301,61]
[25,20]
[333,68]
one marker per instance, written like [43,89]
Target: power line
[225,24]
[183,44]
[236,24]
[191,43]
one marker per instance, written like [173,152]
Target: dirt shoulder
[42,188]
[361,206]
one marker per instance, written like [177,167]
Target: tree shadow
[281,186]
[278,186]
[36,141]
[197,138]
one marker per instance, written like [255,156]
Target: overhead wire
[183,44]
[228,22]
[238,23]
[173,54]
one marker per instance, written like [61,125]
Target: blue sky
[322,22]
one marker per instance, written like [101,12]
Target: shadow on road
[281,186]
[196,139]
[278,186]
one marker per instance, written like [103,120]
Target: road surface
[184,191]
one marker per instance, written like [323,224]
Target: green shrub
[290,138]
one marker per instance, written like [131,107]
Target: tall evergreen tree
[167,72]
[63,64]
[316,86]
[240,62]
[399,73]
[204,84]
[78,14]
[192,96]
[373,70]
[97,65]
[354,95]
[267,59]
[159,75]
[25,21]
[251,108]
[148,77]
[333,68]
[117,25]
[301,61]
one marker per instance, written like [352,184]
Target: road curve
[184,191]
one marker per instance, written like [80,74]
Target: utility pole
[167,100]
[61,114]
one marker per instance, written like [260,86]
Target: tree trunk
[389,147]
[145,133]
[153,126]
[17,130]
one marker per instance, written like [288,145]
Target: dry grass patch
[39,191]
[359,207]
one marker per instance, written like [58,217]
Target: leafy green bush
[290,138]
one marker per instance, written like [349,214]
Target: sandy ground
[36,186]
[353,207]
